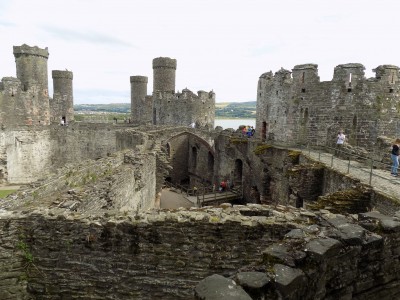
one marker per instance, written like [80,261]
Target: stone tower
[31,63]
[141,106]
[164,69]
[62,104]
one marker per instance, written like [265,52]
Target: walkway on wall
[172,195]
[216,198]
[369,172]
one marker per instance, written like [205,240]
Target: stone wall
[184,108]
[28,154]
[124,181]
[335,258]
[298,108]
[148,256]
[164,254]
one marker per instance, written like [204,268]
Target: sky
[220,45]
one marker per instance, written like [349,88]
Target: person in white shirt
[340,141]
[340,138]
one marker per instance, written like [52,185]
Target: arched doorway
[264,129]
[238,172]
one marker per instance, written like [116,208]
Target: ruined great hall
[86,223]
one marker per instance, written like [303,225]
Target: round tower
[164,69]
[31,65]
[139,107]
[62,105]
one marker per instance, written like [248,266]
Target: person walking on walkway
[339,142]
[395,157]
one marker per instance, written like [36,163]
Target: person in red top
[223,186]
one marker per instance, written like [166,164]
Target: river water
[234,123]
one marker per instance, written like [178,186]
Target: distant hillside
[112,107]
[236,110]
[222,110]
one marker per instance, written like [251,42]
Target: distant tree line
[222,110]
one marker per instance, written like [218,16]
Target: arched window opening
[238,172]
[306,115]
[194,157]
[264,131]
[210,161]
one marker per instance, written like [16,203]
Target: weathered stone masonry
[164,254]
[296,107]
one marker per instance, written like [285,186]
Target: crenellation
[305,110]
[305,74]
[91,192]
[388,74]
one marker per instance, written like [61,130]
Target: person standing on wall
[340,141]
[395,157]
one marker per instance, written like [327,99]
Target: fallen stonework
[264,252]
[123,181]
[337,257]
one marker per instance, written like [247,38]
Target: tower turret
[31,65]
[164,69]
[140,106]
[62,105]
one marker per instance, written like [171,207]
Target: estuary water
[234,123]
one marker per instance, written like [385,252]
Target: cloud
[88,36]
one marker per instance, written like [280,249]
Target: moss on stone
[233,140]
[261,149]
[294,155]
[346,201]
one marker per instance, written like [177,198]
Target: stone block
[217,287]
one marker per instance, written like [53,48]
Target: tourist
[248,131]
[395,157]
[340,141]
[244,130]
[222,186]
[252,131]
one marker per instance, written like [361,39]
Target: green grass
[5,193]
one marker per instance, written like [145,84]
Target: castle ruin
[296,107]
[165,106]
[87,224]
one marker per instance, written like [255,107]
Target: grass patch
[5,193]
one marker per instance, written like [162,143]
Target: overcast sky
[224,45]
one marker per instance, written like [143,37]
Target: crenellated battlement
[11,84]
[165,106]
[296,106]
[139,79]
[62,74]
[164,62]
[25,99]
[28,50]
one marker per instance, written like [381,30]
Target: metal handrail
[370,162]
